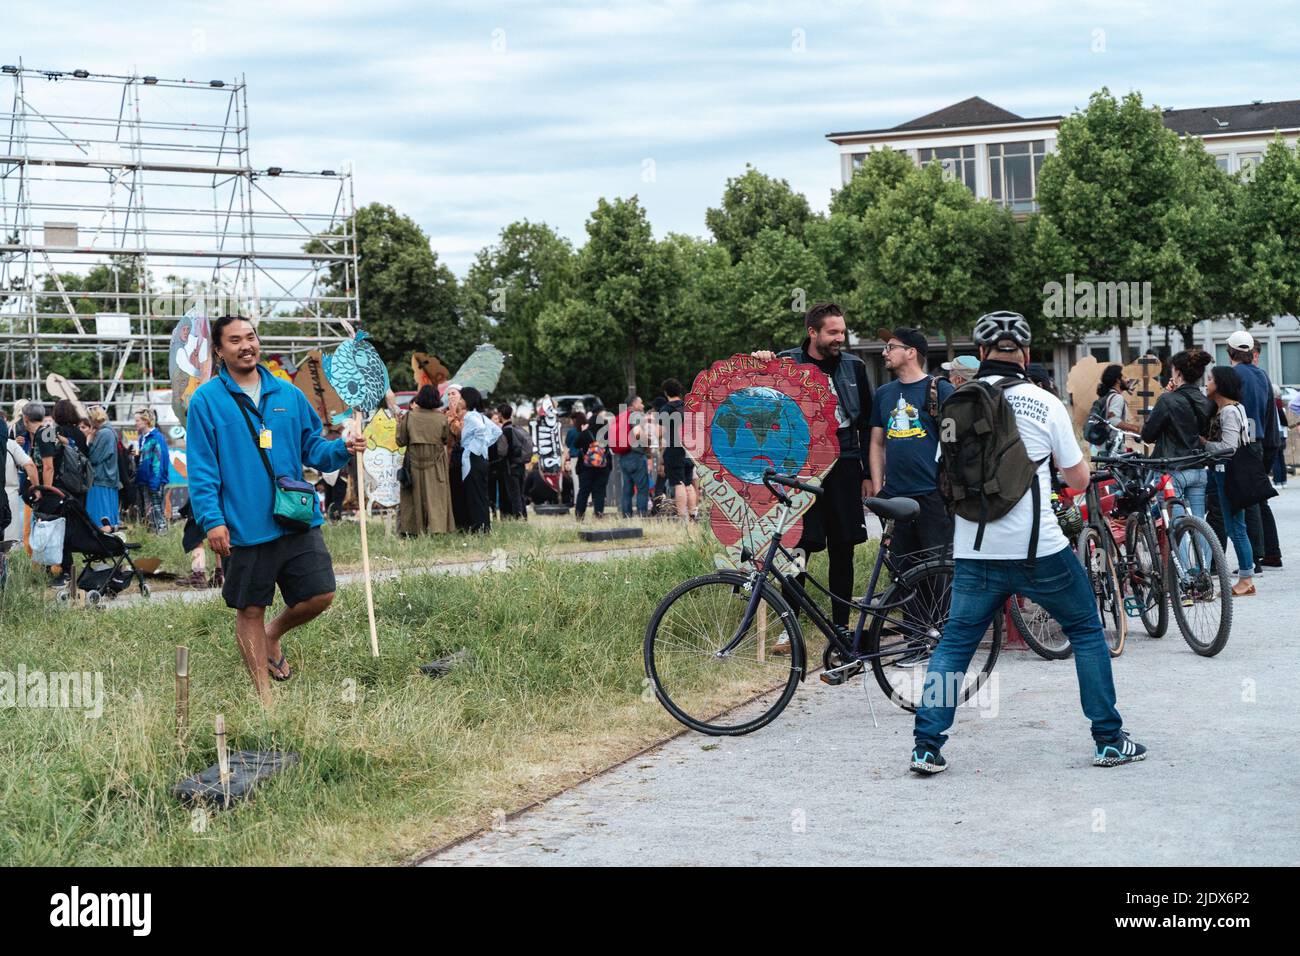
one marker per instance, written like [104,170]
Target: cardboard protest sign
[310,379]
[743,416]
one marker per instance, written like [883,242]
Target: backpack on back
[596,455]
[620,433]
[72,471]
[985,468]
[522,451]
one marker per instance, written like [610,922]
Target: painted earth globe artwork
[759,428]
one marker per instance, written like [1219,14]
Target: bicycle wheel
[1146,579]
[1039,629]
[903,643]
[704,688]
[1099,561]
[1201,596]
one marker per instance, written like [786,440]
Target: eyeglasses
[891,346]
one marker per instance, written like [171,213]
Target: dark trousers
[335,494]
[505,491]
[927,536]
[477,513]
[592,483]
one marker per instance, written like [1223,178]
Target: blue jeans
[1234,522]
[1191,485]
[1060,585]
[635,475]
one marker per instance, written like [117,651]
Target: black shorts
[837,516]
[298,563]
[677,467]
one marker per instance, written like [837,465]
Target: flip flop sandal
[273,666]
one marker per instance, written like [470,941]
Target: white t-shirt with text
[1046,430]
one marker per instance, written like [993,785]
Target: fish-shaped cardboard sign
[311,381]
[743,416]
[482,370]
[358,375]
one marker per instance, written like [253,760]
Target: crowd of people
[67,452]
[890,445]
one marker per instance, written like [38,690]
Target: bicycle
[1167,560]
[711,643]
[1036,627]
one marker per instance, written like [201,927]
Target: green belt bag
[294,501]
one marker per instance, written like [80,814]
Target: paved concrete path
[821,785]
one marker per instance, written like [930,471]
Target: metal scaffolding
[127,202]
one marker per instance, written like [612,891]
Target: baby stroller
[107,568]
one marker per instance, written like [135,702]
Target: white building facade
[998,156]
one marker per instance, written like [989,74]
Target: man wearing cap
[835,522]
[904,453]
[961,369]
[1257,399]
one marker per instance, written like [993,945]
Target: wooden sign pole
[182,691]
[365,544]
[223,756]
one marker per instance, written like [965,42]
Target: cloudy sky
[469,116]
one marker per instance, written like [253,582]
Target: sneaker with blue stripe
[1120,750]
[927,760]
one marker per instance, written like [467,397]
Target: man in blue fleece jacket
[241,422]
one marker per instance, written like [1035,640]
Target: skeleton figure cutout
[548,441]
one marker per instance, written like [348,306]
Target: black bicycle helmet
[996,327]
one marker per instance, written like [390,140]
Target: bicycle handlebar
[789,481]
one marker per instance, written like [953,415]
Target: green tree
[699,325]
[772,286]
[934,256]
[409,300]
[1199,265]
[508,286]
[617,301]
[751,203]
[1270,227]
[1107,190]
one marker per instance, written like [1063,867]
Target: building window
[1101,353]
[958,162]
[1246,163]
[859,159]
[1291,363]
[1013,173]
[1223,161]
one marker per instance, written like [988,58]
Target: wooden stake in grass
[762,630]
[223,757]
[182,691]
[365,544]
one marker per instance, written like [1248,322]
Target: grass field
[393,762]
[537,537]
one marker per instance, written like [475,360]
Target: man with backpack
[627,442]
[999,434]
[504,487]
[905,444]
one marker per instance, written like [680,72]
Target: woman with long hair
[425,506]
[477,433]
[1229,431]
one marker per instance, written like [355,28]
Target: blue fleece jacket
[154,470]
[228,482]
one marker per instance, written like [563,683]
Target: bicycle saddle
[894,509]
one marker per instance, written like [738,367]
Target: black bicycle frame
[792,587]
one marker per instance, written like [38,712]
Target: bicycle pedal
[1134,607]
[835,680]
[838,675]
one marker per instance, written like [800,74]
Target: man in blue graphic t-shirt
[904,453]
